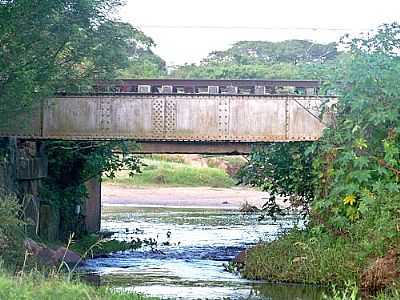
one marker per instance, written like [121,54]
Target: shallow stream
[193,244]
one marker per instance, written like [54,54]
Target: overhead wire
[218,27]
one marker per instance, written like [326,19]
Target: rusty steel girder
[177,118]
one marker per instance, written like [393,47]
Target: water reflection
[187,263]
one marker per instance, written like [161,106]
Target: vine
[71,164]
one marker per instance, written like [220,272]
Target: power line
[217,27]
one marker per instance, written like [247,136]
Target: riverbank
[176,171]
[201,197]
[367,268]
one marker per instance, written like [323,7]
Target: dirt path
[181,196]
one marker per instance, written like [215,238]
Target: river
[193,244]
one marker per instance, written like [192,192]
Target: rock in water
[46,256]
[68,256]
[50,257]
[240,259]
[33,247]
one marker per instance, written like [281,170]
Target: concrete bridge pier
[92,205]
[22,173]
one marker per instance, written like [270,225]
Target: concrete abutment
[23,168]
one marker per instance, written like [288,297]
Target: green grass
[166,173]
[38,287]
[304,257]
[315,256]
[301,258]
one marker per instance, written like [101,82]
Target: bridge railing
[185,86]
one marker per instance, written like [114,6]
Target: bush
[358,160]
[282,170]
[11,230]
[353,179]
[317,256]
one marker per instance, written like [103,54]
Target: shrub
[11,230]
[353,174]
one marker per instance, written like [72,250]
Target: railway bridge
[163,116]
[181,116]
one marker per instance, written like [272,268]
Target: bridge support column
[92,206]
[49,225]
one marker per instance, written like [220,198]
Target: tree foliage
[285,172]
[264,52]
[144,64]
[71,164]
[353,172]
[358,161]
[261,60]
[237,71]
[58,44]
[11,230]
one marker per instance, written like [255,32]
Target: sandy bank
[181,196]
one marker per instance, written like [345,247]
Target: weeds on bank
[300,257]
[316,256]
[95,245]
[350,292]
[391,294]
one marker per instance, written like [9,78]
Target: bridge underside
[224,148]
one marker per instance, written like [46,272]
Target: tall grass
[317,256]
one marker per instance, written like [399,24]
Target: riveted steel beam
[179,118]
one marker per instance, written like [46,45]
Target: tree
[290,51]
[358,160]
[261,60]
[352,174]
[236,71]
[58,45]
[144,64]
[48,45]
[284,170]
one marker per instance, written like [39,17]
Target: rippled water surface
[192,246]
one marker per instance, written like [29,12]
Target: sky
[185,31]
